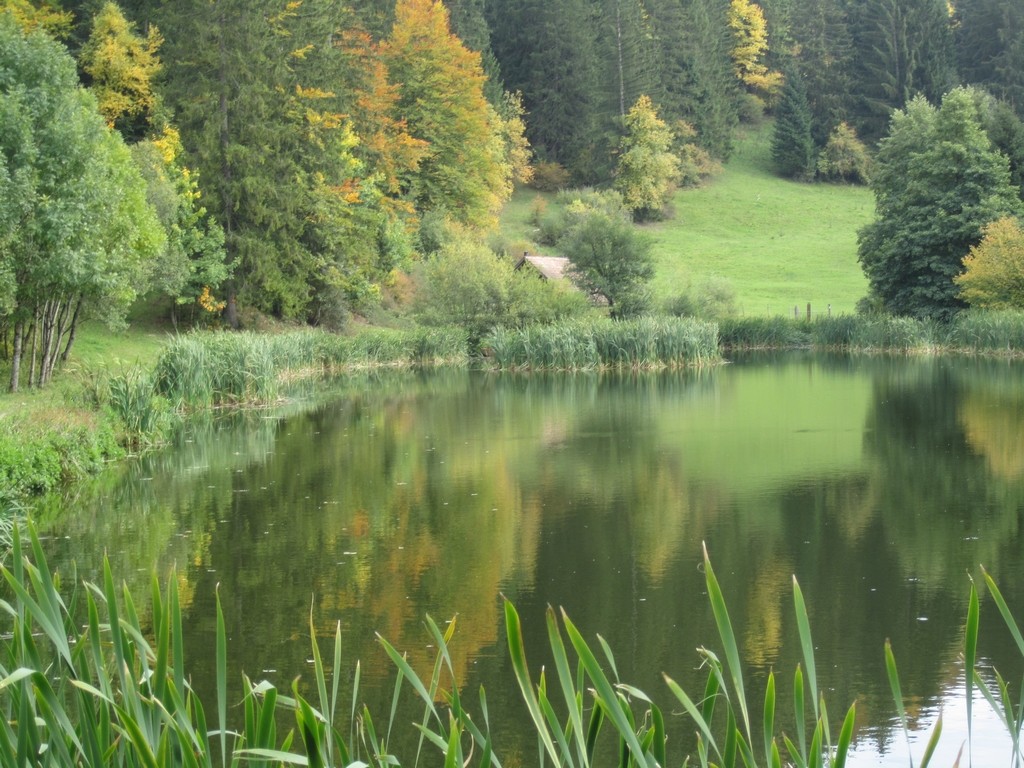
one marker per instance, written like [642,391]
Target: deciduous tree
[937,183]
[80,234]
[647,171]
[993,276]
[441,99]
[121,67]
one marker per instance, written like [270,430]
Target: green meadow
[778,243]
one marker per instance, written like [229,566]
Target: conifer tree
[698,81]
[793,149]
[555,66]
[904,48]
[822,56]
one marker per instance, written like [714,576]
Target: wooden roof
[550,267]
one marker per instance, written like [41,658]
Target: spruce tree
[793,150]
[697,77]
[547,50]
[904,48]
[823,57]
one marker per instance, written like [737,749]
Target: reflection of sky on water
[991,744]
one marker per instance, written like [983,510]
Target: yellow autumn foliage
[993,276]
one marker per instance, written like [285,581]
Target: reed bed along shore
[643,343]
[975,333]
[203,369]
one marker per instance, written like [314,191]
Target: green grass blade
[605,692]
[933,742]
[222,680]
[725,631]
[703,725]
[565,680]
[806,645]
[845,737]
[517,654]
[1004,610]
[768,722]
[897,694]
[272,754]
[800,712]
[970,657]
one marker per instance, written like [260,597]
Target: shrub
[611,259]
[464,284]
[845,158]
[550,177]
[715,298]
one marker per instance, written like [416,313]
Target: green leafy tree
[80,234]
[647,170]
[937,183]
[793,149]
[609,256]
[192,265]
[121,67]
[993,276]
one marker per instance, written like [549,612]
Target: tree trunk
[19,330]
[71,331]
[33,333]
[47,352]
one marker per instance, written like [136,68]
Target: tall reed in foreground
[111,690]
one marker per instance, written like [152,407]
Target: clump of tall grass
[144,415]
[200,369]
[644,342]
[114,692]
[770,332]
[895,334]
[987,331]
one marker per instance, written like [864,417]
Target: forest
[297,158]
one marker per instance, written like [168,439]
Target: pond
[880,483]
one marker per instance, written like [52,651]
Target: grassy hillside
[779,243]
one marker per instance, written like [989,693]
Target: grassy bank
[122,695]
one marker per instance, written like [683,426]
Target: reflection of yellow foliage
[994,428]
[763,635]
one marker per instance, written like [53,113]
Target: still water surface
[881,484]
